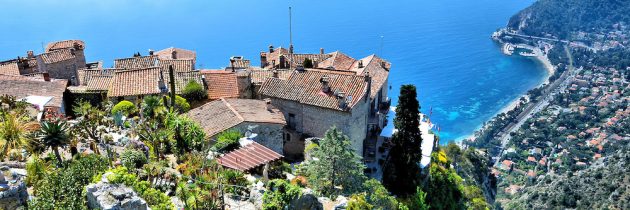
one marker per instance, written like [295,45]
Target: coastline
[543,60]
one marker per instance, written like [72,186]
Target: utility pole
[290,33]
[381,52]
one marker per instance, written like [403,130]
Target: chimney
[150,52]
[270,48]
[232,64]
[315,62]
[360,64]
[46,76]
[29,54]
[325,85]
[263,59]
[321,51]
[275,73]
[341,98]
[268,104]
[174,54]
[291,49]
[283,61]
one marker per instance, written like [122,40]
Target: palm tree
[54,135]
[152,108]
[14,132]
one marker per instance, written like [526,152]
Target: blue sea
[441,46]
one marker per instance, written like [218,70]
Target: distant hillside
[560,18]
[604,185]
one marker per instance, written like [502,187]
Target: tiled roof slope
[84,75]
[140,62]
[180,54]
[221,84]
[182,79]
[337,60]
[99,82]
[135,82]
[65,44]
[220,115]
[248,157]
[57,56]
[373,65]
[306,88]
[178,64]
[21,86]
[260,76]
[9,68]
[298,59]
[240,64]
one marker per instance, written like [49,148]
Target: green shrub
[194,91]
[155,198]
[233,177]
[63,188]
[36,171]
[358,202]
[227,140]
[132,158]
[124,107]
[279,193]
[181,105]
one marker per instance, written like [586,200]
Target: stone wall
[269,134]
[315,121]
[106,196]
[14,196]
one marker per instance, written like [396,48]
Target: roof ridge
[233,110]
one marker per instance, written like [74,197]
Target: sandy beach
[543,60]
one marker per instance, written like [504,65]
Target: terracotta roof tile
[248,157]
[337,60]
[220,115]
[84,75]
[9,68]
[297,59]
[64,45]
[183,78]
[21,86]
[260,76]
[178,64]
[305,87]
[240,64]
[57,56]
[99,82]
[179,54]
[135,82]
[136,62]
[221,84]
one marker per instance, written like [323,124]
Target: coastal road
[577,44]
[557,86]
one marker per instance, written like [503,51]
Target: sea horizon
[443,48]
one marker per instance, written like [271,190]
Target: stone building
[221,84]
[313,101]
[62,59]
[247,116]
[43,91]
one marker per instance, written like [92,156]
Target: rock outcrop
[106,196]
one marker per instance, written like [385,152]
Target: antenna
[381,53]
[290,33]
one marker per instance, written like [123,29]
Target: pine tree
[401,174]
[336,168]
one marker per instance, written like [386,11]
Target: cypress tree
[401,173]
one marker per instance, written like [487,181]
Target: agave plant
[14,132]
[54,135]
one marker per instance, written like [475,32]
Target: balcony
[383,106]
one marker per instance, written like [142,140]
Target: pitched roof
[221,84]
[298,59]
[84,75]
[9,68]
[248,157]
[140,62]
[99,82]
[135,82]
[179,54]
[337,60]
[178,64]
[260,76]
[57,56]
[305,87]
[220,115]
[65,44]
[21,86]
[378,70]
[182,79]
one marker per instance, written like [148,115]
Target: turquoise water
[441,46]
